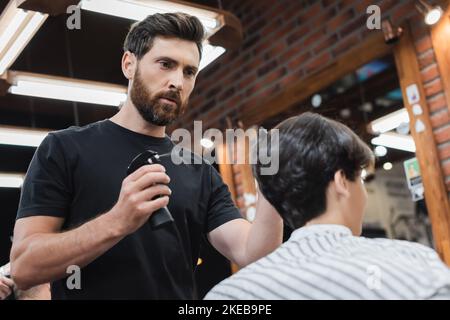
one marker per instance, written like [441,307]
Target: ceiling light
[380,151]
[62,88]
[389,122]
[387,166]
[395,141]
[11,180]
[431,14]
[18,27]
[209,54]
[21,136]
[139,10]
[316,100]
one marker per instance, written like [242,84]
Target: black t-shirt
[77,174]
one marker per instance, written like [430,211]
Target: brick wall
[289,39]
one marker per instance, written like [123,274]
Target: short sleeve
[221,208]
[46,190]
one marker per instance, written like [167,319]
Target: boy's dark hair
[311,149]
[140,38]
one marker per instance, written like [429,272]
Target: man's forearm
[266,232]
[45,257]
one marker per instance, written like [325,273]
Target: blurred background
[381,67]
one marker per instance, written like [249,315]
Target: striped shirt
[328,262]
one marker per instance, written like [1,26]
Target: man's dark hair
[311,149]
[140,38]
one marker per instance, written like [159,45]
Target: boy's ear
[129,64]
[341,183]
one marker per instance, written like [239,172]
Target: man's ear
[129,65]
[341,184]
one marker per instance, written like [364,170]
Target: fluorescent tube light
[11,180]
[395,141]
[67,89]
[18,27]
[21,136]
[390,121]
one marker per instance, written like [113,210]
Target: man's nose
[176,80]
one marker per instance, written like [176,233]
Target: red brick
[433,87]
[297,34]
[402,11]
[444,151]
[294,63]
[423,44]
[291,78]
[273,76]
[313,38]
[446,168]
[361,5]
[426,58]
[442,135]
[354,26]
[429,73]
[244,83]
[387,5]
[340,20]
[326,44]
[318,62]
[440,118]
[437,102]
[345,44]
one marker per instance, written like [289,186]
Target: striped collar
[320,229]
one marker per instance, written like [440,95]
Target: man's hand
[6,286]
[137,200]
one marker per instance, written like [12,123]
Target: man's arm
[40,292]
[243,242]
[41,253]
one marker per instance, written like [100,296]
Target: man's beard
[151,108]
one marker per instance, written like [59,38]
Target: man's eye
[165,64]
[190,73]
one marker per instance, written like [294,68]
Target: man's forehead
[182,51]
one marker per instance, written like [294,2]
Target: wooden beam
[440,37]
[370,49]
[226,169]
[426,151]
[51,7]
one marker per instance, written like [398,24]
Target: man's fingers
[149,179]
[151,192]
[152,206]
[143,170]
[8,281]
[5,291]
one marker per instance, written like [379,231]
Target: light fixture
[209,54]
[389,122]
[11,180]
[21,136]
[431,14]
[387,166]
[199,261]
[316,100]
[17,28]
[62,88]
[206,143]
[139,10]
[395,141]
[380,151]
